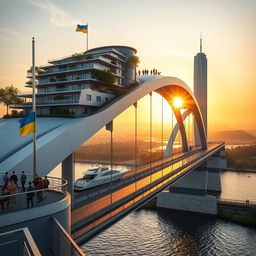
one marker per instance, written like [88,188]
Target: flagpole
[34,104]
[87,38]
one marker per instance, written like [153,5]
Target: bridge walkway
[100,210]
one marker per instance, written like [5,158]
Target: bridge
[95,209]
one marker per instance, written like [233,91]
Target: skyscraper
[200,87]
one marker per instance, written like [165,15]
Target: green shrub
[52,79]
[60,112]
[59,97]
[105,76]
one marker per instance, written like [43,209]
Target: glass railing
[18,242]
[63,80]
[58,101]
[15,199]
[62,242]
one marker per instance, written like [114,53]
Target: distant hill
[234,137]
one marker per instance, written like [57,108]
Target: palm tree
[8,96]
[133,62]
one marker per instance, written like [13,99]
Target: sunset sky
[165,33]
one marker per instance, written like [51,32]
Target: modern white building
[77,85]
[200,87]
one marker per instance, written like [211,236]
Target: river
[166,233]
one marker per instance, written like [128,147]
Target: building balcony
[56,190]
[86,66]
[57,101]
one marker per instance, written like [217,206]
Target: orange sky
[166,35]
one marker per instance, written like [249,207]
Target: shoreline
[238,170]
[128,163]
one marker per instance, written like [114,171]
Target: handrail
[74,245]
[57,189]
[33,249]
[64,184]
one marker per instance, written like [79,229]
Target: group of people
[11,188]
[147,72]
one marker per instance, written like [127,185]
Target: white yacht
[98,175]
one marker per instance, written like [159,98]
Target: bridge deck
[102,207]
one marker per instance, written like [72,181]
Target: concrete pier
[190,194]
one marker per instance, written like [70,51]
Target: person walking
[5,202]
[6,178]
[14,178]
[23,179]
[46,185]
[13,190]
[30,195]
[40,186]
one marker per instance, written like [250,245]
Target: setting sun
[177,102]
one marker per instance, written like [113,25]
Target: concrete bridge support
[214,166]
[190,194]
[68,173]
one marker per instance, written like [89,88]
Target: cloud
[11,32]
[58,17]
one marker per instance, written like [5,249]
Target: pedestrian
[6,178]
[5,202]
[30,195]
[23,179]
[46,185]
[151,72]
[139,72]
[40,186]
[36,180]
[46,182]
[13,191]
[14,178]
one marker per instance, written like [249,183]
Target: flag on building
[28,124]
[82,28]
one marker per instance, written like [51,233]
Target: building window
[88,97]
[98,99]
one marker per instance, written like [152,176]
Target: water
[238,185]
[166,233]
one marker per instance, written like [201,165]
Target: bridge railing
[20,200]
[18,242]
[62,243]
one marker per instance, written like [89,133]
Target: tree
[8,96]
[105,76]
[133,62]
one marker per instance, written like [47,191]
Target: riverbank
[238,211]
[239,170]
[125,163]
[243,212]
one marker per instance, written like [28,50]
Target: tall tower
[200,88]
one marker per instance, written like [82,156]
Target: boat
[98,175]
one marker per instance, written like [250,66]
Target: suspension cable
[136,143]
[150,156]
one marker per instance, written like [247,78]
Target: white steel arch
[54,146]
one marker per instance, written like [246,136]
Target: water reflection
[166,233]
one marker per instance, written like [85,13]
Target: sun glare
[177,102]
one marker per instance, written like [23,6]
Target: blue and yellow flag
[82,28]
[28,124]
